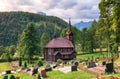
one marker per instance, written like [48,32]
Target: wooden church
[60,48]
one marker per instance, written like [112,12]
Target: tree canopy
[29,42]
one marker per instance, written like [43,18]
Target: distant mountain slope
[82,25]
[42,13]
[13,23]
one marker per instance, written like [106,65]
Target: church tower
[69,34]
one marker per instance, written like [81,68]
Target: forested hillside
[13,23]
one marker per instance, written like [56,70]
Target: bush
[12,77]
[20,61]
[25,64]
[9,59]
[39,77]
[40,63]
[59,61]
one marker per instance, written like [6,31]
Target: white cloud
[76,9]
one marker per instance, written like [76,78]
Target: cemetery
[74,39]
[94,68]
[60,60]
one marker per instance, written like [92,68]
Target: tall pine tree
[28,44]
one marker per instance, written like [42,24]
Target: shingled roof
[59,43]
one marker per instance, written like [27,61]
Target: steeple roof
[69,25]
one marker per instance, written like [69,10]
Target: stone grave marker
[56,65]
[48,67]
[109,67]
[43,73]
[35,70]
[74,65]
[73,68]
[91,64]
[28,69]
[8,71]
[104,63]
[5,76]
[72,62]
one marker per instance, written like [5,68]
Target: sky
[77,10]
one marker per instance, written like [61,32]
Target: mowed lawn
[21,75]
[71,75]
[5,66]
[58,75]
[85,56]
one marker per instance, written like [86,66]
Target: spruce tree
[28,44]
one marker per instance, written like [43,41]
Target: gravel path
[65,69]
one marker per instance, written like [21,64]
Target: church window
[49,51]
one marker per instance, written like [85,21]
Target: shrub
[9,59]
[59,61]
[25,64]
[40,63]
[12,77]
[20,61]
[39,77]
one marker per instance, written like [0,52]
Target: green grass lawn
[71,75]
[58,75]
[85,56]
[21,75]
[5,66]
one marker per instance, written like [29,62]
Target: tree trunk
[100,44]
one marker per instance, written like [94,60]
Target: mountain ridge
[13,23]
[83,24]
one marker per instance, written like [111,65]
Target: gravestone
[72,62]
[35,70]
[48,67]
[56,65]
[5,76]
[103,63]
[74,65]
[112,60]
[43,73]
[28,69]
[91,64]
[73,68]
[8,71]
[109,67]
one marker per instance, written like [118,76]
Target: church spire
[69,34]
[69,26]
